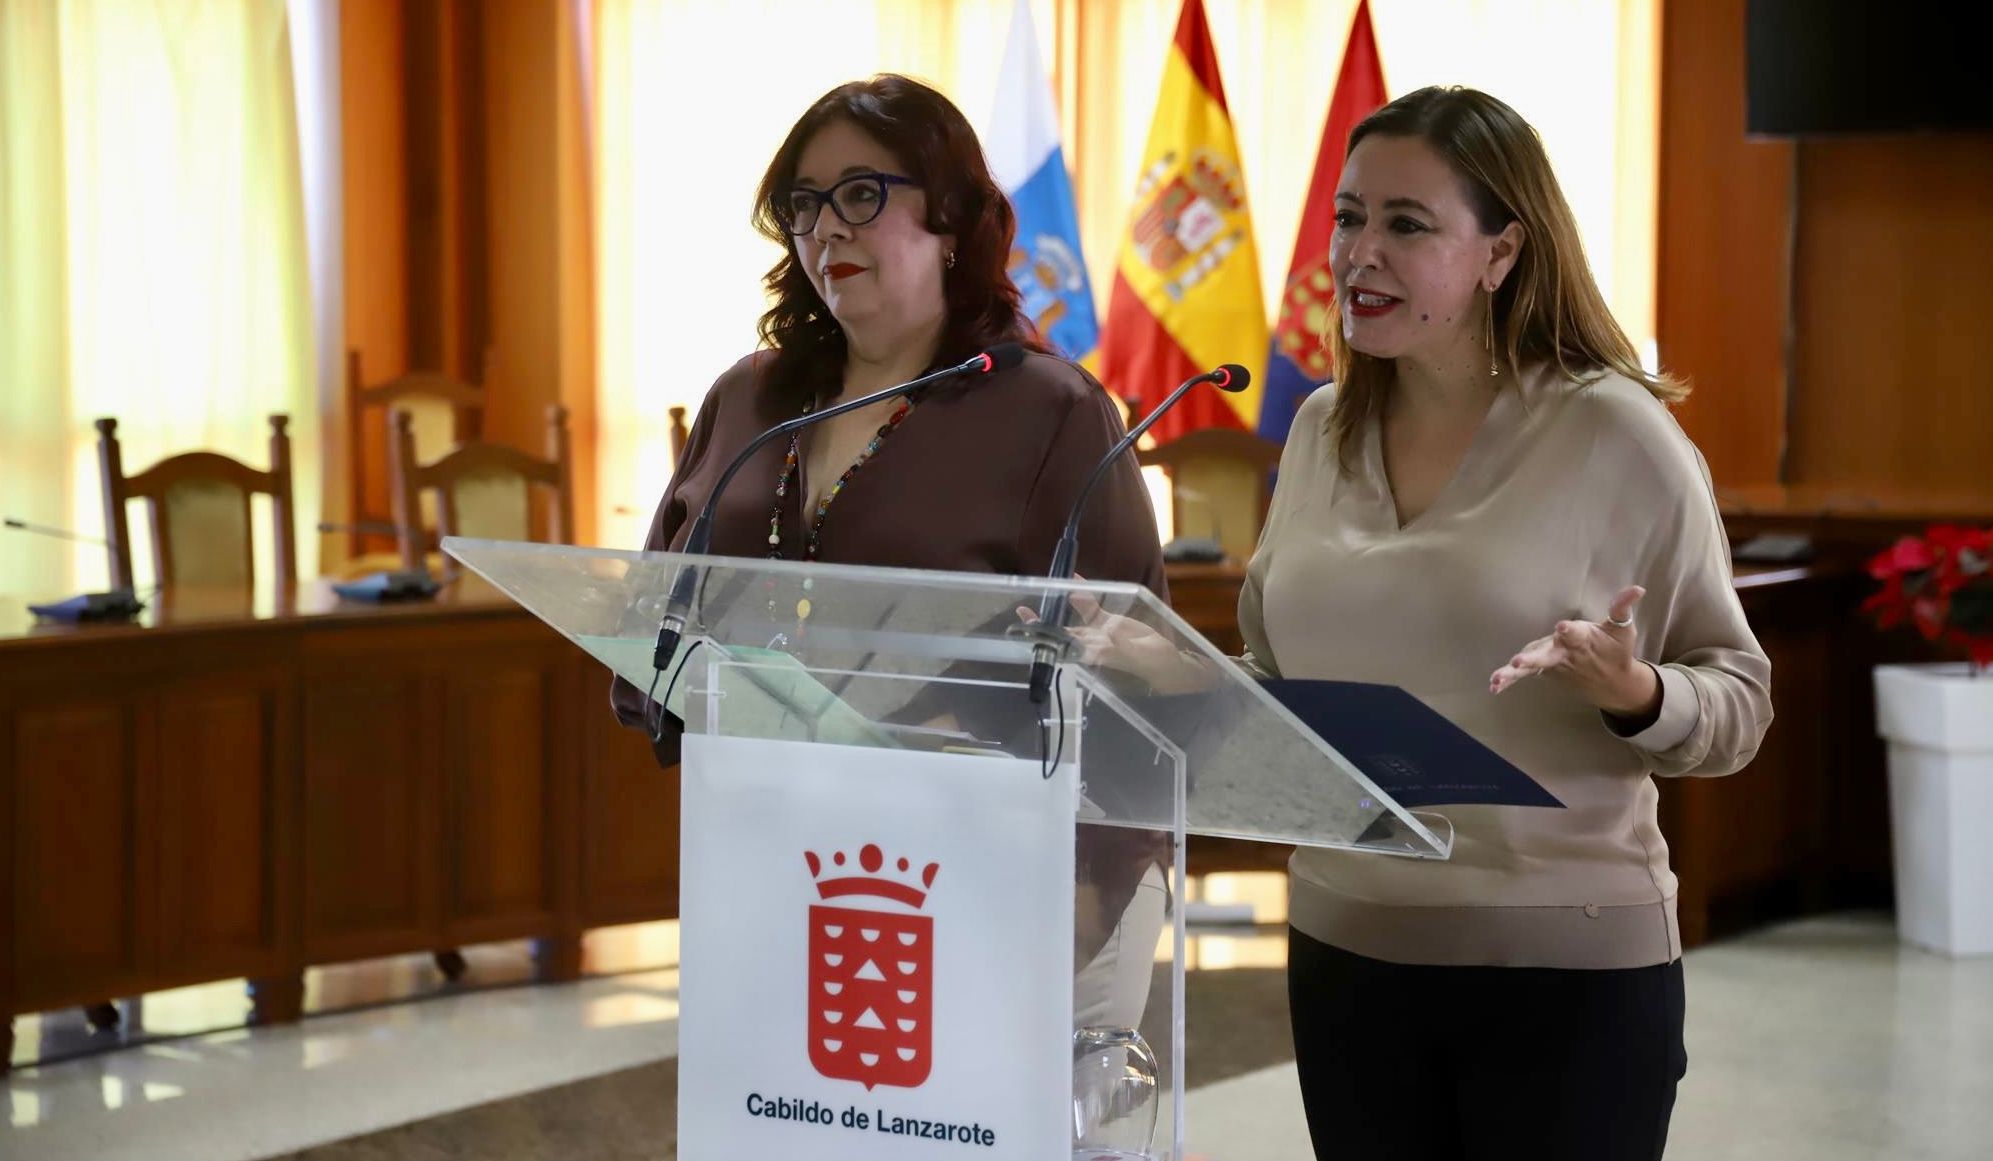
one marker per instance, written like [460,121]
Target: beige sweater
[1569,493]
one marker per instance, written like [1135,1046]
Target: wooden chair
[1221,483]
[445,412]
[480,489]
[199,504]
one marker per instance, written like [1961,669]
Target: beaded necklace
[812,542]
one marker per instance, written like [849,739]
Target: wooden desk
[232,789]
[239,789]
[1804,827]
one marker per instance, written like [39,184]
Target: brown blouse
[979,477]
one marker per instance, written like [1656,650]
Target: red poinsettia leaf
[1929,615]
[1942,584]
[1968,549]
[1907,555]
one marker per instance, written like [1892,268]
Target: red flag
[1299,364]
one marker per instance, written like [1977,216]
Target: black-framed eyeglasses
[856,200]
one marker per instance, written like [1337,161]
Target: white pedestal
[1938,721]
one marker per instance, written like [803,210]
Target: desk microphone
[1052,605]
[115,605]
[678,605]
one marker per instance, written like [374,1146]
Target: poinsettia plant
[1942,583]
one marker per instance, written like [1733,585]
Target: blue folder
[1411,751]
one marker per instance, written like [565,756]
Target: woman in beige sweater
[1493,509]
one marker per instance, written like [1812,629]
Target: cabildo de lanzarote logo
[871,971]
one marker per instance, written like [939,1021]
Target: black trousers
[1418,1063]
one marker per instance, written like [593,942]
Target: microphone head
[1001,357]
[1232,377]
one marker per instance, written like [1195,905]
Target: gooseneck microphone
[1053,606]
[116,605]
[678,605]
[45,530]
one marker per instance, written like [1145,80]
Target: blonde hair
[1549,309]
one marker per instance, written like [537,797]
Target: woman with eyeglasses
[896,243]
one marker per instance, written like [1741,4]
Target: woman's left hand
[1126,644]
[1594,657]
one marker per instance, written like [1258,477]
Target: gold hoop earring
[950,260]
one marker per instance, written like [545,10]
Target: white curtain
[155,265]
[315,76]
[691,100]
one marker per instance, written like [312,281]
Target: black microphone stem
[1052,604]
[59,533]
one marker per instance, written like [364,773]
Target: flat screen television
[1865,67]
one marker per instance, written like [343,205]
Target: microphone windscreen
[1004,356]
[1236,378]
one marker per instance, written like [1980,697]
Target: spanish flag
[1186,294]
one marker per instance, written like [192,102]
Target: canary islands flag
[1025,158]
[1186,294]
[1299,360]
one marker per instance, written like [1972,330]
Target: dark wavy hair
[934,142]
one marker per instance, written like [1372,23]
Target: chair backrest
[679,434]
[445,412]
[480,489]
[199,509]
[1220,484]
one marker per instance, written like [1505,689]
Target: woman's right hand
[1112,641]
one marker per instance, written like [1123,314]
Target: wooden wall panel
[574,222]
[447,260]
[468,245]
[10,779]
[630,820]
[1895,293]
[500,751]
[374,148]
[224,773]
[372,759]
[1824,295]
[1758,842]
[81,853]
[539,295]
[1724,235]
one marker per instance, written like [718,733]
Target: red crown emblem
[871,973]
[899,888]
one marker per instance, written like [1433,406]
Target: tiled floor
[373,1062]
[1821,1040]
[1817,1041]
